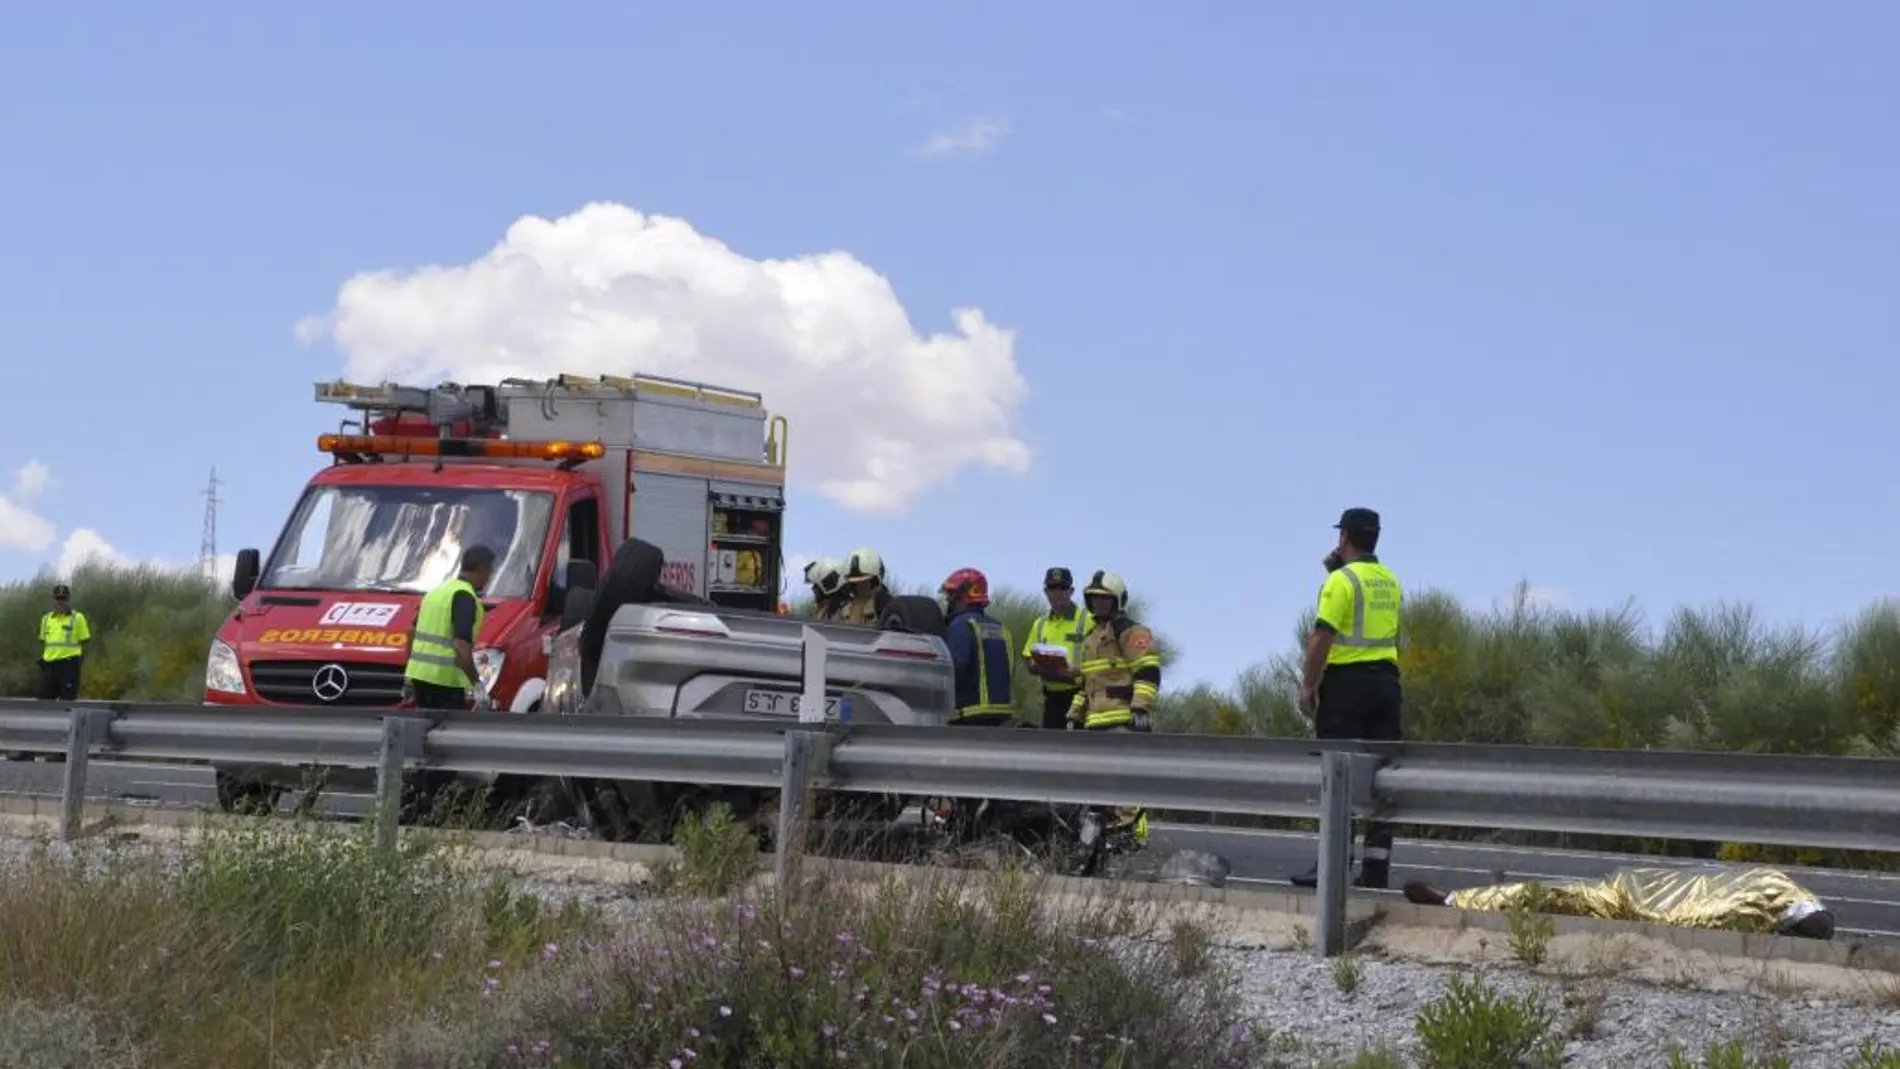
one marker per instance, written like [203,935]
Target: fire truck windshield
[409,538]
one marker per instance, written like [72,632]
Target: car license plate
[782,703]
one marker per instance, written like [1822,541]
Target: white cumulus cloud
[20,526]
[879,412]
[973,136]
[32,479]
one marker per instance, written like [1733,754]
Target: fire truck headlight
[488,668]
[222,673]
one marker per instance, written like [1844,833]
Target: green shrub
[1730,1055]
[717,854]
[1472,1026]
[151,631]
[904,973]
[262,943]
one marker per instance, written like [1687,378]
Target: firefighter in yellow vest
[1120,674]
[441,673]
[865,597]
[64,633]
[1350,683]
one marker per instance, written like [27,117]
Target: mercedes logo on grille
[330,682]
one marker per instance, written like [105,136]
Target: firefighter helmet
[967,586]
[825,576]
[863,565]
[1108,585]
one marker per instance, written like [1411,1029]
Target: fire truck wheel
[630,580]
[913,613]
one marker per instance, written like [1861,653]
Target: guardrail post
[811,703]
[87,728]
[800,745]
[1335,850]
[402,742]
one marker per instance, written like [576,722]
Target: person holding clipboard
[1053,647]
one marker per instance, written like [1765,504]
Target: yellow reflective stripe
[1109,718]
[1145,690]
[1356,638]
[982,667]
[1146,660]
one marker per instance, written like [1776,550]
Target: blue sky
[1600,296]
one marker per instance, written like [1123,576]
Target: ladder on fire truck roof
[450,401]
[482,411]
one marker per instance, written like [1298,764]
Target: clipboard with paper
[1051,657]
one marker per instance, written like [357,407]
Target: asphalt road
[1864,904]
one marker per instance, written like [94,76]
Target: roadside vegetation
[151,630]
[1718,678]
[306,946]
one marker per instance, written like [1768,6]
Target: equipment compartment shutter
[747,497]
[670,512]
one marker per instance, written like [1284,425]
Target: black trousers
[59,680]
[1364,701]
[436,696]
[1055,709]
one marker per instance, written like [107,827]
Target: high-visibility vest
[62,635]
[1068,634]
[1361,600]
[432,649]
[989,633]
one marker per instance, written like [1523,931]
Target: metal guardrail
[1851,803]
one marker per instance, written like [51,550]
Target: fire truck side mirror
[244,574]
[577,607]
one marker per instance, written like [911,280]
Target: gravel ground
[1613,1020]
[1618,1022]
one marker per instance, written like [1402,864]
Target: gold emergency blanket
[1737,899]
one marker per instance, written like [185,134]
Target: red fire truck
[552,475]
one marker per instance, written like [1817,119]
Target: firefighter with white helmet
[826,577]
[864,596]
[1120,672]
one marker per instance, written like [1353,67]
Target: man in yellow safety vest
[1066,624]
[441,673]
[1350,685]
[64,633]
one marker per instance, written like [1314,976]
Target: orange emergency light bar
[491,448]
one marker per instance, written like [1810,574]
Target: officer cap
[1058,579]
[1358,520]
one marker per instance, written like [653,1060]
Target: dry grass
[259,944]
[278,944]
